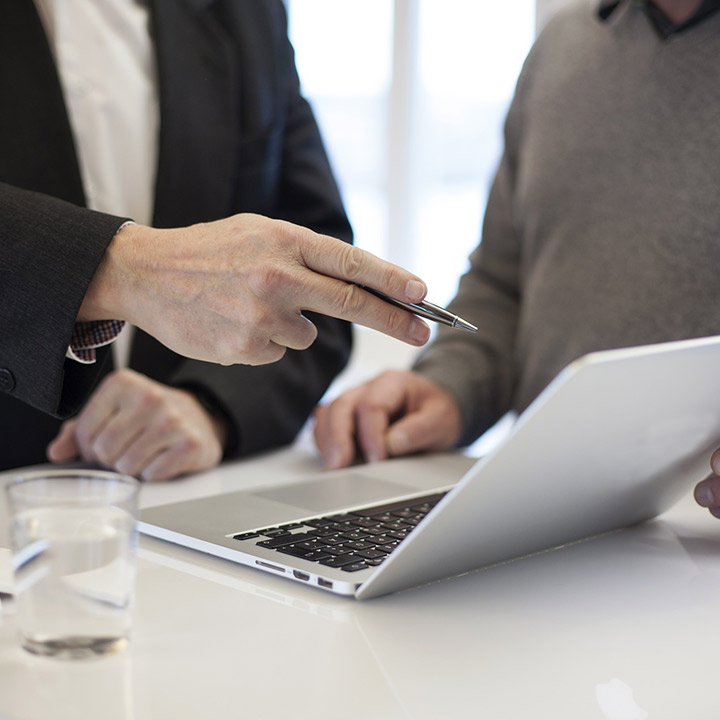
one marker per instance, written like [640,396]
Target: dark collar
[664,26]
[607,8]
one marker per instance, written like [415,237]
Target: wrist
[114,285]
[221,422]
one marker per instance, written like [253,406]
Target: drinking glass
[74,540]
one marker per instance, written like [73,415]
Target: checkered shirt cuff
[88,336]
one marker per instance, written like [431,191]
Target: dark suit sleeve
[267,405]
[50,251]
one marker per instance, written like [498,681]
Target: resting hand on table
[138,426]
[397,413]
[233,290]
[707,492]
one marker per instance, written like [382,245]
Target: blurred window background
[410,96]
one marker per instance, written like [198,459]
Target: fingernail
[415,290]
[704,496]
[333,458]
[398,442]
[419,332]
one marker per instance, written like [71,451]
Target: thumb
[64,446]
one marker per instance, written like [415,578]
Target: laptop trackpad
[330,494]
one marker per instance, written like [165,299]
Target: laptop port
[322,582]
[301,575]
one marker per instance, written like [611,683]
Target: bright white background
[411,96]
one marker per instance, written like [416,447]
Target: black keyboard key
[395,525]
[345,517]
[311,545]
[341,526]
[293,550]
[318,522]
[371,554]
[324,531]
[317,555]
[383,517]
[388,544]
[275,532]
[399,534]
[365,522]
[378,530]
[335,550]
[246,536]
[340,560]
[286,539]
[360,544]
[354,567]
[425,508]
[383,540]
[354,535]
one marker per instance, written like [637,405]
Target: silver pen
[426,310]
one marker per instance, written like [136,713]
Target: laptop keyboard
[351,541]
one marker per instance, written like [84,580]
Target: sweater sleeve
[478,369]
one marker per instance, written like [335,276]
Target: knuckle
[351,300]
[189,446]
[352,261]
[396,321]
[150,398]
[345,403]
[268,281]
[124,375]
[169,423]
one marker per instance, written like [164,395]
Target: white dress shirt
[105,59]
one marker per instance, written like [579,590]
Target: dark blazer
[236,136]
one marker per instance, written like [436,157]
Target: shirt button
[7,381]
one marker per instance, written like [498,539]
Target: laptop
[614,440]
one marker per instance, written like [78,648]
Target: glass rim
[127,485]
[19,477]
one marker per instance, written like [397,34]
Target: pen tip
[464,325]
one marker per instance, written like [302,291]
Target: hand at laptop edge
[397,413]
[707,492]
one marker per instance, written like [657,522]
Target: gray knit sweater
[603,223]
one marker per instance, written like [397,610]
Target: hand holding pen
[426,310]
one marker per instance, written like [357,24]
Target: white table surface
[623,627]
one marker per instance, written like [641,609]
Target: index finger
[337,259]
